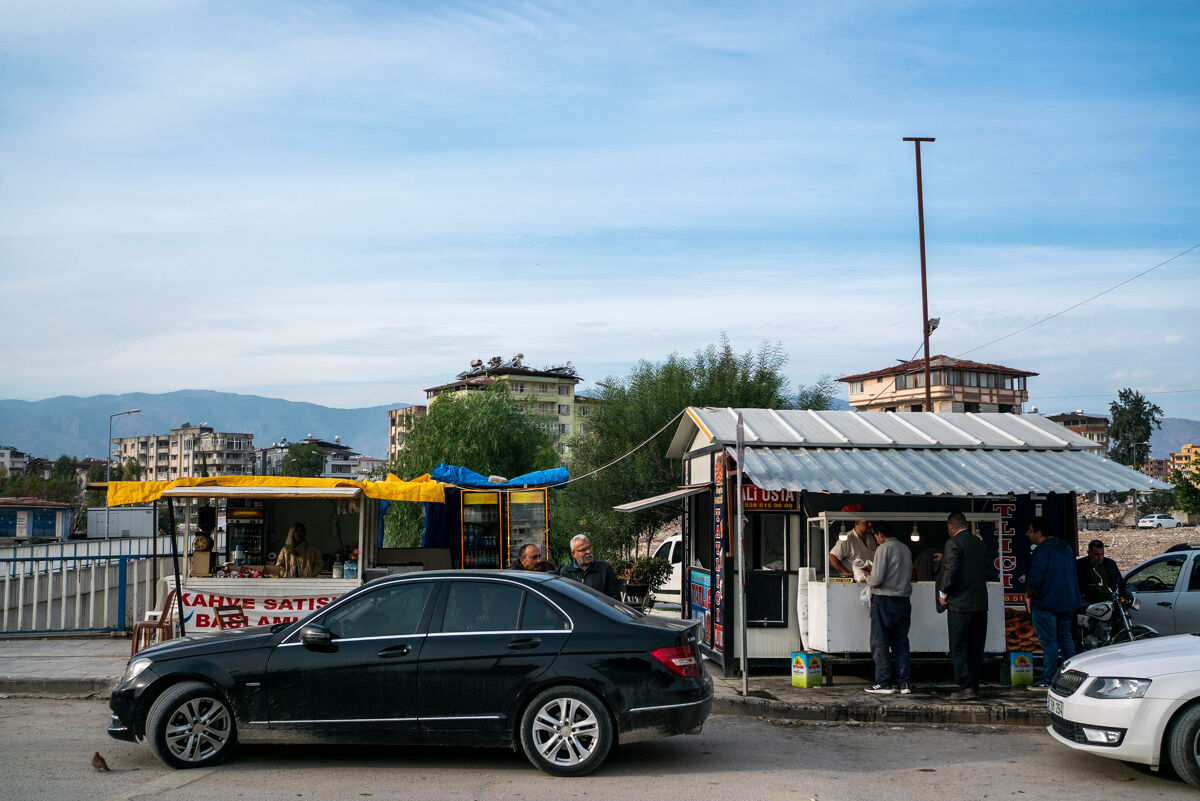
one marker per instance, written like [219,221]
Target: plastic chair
[160,620]
[636,596]
[231,617]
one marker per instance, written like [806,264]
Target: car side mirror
[316,637]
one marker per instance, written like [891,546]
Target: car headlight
[135,667]
[1106,687]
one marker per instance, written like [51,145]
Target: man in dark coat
[528,558]
[1053,592]
[587,569]
[962,589]
[1098,576]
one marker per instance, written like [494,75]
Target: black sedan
[465,657]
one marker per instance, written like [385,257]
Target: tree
[130,471]
[633,409]
[487,431]
[1133,419]
[64,467]
[304,460]
[1187,493]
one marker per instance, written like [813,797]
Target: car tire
[191,725]
[1183,745]
[566,731]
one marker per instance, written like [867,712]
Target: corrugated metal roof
[930,471]
[809,429]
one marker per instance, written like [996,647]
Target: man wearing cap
[1099,577]
[858,544]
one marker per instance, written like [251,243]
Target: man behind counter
[298,557]
[859,544]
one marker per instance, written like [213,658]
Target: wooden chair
[157,620]
[231,617]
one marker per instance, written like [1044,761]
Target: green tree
[1187,491]
[1133,420]
[130,471]
[304,460]
[487,431]
[64,467]
[630,410]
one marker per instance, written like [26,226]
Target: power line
[1080,303]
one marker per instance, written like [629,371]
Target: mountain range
[78,426]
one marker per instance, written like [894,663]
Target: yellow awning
[121,493]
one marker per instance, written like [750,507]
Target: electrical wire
[1082,302]
[893,381]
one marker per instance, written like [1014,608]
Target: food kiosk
[799,469]
[340,515]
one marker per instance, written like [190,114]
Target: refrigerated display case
[480,534]
[525,522]
[246,529]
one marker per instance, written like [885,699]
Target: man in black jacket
[587,569]
[1099,577]
[962,588]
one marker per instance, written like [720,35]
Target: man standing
[1099,577]
[527,558]
[890,580]
[962,588]
[587,569]
[1053,592]
[859,544]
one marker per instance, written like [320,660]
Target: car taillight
[680,660]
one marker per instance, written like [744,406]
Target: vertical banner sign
[741,552]
[718,573]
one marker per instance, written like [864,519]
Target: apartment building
[187,452]
[1186,461]
[1088,426]
[341,461]
[1157,468]
[400,423]
[956,385]
[550,391]
[12,461]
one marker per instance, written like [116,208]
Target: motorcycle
[1107,623]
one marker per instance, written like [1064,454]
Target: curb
[868,712]
[44,688]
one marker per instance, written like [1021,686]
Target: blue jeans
[891,616]
[1053,631]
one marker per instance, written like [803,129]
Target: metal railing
[97,588]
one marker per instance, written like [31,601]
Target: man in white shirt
[859,544]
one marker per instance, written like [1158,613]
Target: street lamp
[108,470]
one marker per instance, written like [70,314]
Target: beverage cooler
[496,525]
[246,529]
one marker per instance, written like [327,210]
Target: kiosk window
[769,542]
[701,514]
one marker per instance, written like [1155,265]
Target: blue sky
[347,202]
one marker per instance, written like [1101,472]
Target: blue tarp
[462,477]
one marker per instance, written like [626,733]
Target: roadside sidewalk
[91,667]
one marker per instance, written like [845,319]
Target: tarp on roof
[463,477]
[928,471]
[422,489]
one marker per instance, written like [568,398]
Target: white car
[1167,588]
[672,551]
[1137,702]
[1159,521]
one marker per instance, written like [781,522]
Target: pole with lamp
[108,472]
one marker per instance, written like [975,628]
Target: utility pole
[917,140]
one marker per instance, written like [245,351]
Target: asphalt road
[46,747]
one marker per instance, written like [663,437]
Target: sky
[345,203]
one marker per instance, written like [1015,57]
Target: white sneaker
[881,689]
[905,689]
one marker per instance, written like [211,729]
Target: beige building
[550,392]
[400,423]
[956,385]
[1186,461]
[188,451]
[1157,468]
[1088,426]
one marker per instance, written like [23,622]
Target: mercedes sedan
[509,659]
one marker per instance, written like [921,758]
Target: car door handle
[395,651]
[524,642]
[1167,604]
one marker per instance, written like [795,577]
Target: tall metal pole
[917,140]
[108,471]
[741,555]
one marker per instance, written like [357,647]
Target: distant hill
[1175,432]
[79,426]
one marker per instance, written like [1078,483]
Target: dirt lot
[1129,547]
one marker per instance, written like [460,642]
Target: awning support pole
[175,564]
[741,549]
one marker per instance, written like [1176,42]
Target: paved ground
[49,743]
[90,666]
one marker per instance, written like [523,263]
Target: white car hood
[1146,659]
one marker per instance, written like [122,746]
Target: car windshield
[595,599]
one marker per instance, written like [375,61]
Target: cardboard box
[806,669]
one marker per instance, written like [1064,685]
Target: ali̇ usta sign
[757,499]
